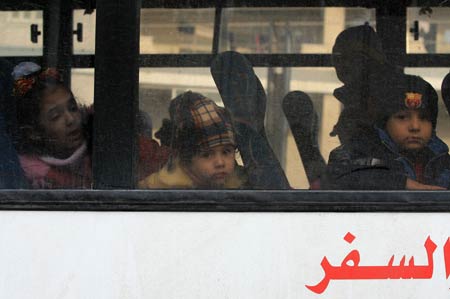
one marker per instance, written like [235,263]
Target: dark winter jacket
[354,119]
[11,175]
[376,164]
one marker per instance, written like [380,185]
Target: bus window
[82,84]
[18,30]
[428,30]
[159,85]
[178,31]
[84,38]
[290,49]
[287,30]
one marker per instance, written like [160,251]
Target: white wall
[210,255]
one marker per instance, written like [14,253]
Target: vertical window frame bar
[116,73]
[217,27]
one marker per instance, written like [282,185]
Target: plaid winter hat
[199,122]
[396,92]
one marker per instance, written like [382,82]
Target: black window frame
[114,182]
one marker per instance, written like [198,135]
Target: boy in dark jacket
[406,153]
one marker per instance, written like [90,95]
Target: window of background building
[433,29]
[82,84]
[177,31]
[287,30]
[15,40]
[87,45]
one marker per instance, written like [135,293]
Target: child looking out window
[204,146]
[52,141]
[407,153]
[53,133]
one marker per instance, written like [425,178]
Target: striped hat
[199,122]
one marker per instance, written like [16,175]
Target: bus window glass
[176,31]
[159,85]
[287,30]
[428,30]
[16,33]
[87,21]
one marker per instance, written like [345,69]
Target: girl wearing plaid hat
[204,147]
[406,154]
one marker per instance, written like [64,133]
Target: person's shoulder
[342,152]
[442,160]
[366,143]
[167,178]
[238,179]
[438,146]
[348,151]
[367,150]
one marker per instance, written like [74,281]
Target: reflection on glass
[432,28]
[176,31]
[16,33]
[287,30]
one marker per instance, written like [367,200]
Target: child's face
[409,129]
[213,166]
[61,120]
